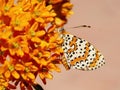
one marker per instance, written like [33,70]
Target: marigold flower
[30,43]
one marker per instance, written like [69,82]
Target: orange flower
[66,9]
[30,42]
[8,70]
[3,82]
[34,33]
[27,70]
[46,67]
[19,22]
[18,46]
[5,6]
[43,13]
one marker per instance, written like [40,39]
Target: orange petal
[36,59]
[59,41]
[34,26]
[22,86]
[55,1]
[46,54]
[12,52]
[33,68]
[2,69]
[28,63]
[10,3]
[19,67]
[20,52]
[24,76]
[26,6]
[7,74]
[35,51]
[51,29]
[41,75]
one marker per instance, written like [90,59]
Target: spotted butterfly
[80,54]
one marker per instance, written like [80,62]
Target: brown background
[104,17]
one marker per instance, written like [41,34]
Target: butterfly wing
[80,54]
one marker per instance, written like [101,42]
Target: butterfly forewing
[80,54]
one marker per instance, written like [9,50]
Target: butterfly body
[80,54]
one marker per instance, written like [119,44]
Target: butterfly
[80,54]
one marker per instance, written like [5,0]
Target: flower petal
[7,74]
[19,67]
[31,76]
[15,75]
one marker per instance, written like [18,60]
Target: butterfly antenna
[82,26]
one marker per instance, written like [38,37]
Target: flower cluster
[30,44]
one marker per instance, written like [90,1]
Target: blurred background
[104,18]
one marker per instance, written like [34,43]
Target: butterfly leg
[64,62]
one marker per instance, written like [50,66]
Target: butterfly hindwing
[80,54]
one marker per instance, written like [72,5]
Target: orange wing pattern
[80,54]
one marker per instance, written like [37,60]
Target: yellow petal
[31,76]
[48,75]
[15,75]
[53,67]
[20,53]
[43,62]
[2,87]
[53,38]
[52,45]
[10,3]
[36,39]
[49,7]
[58,50]
[40,33]
[5,84]
[59,22]
[43,44]
[41,20]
